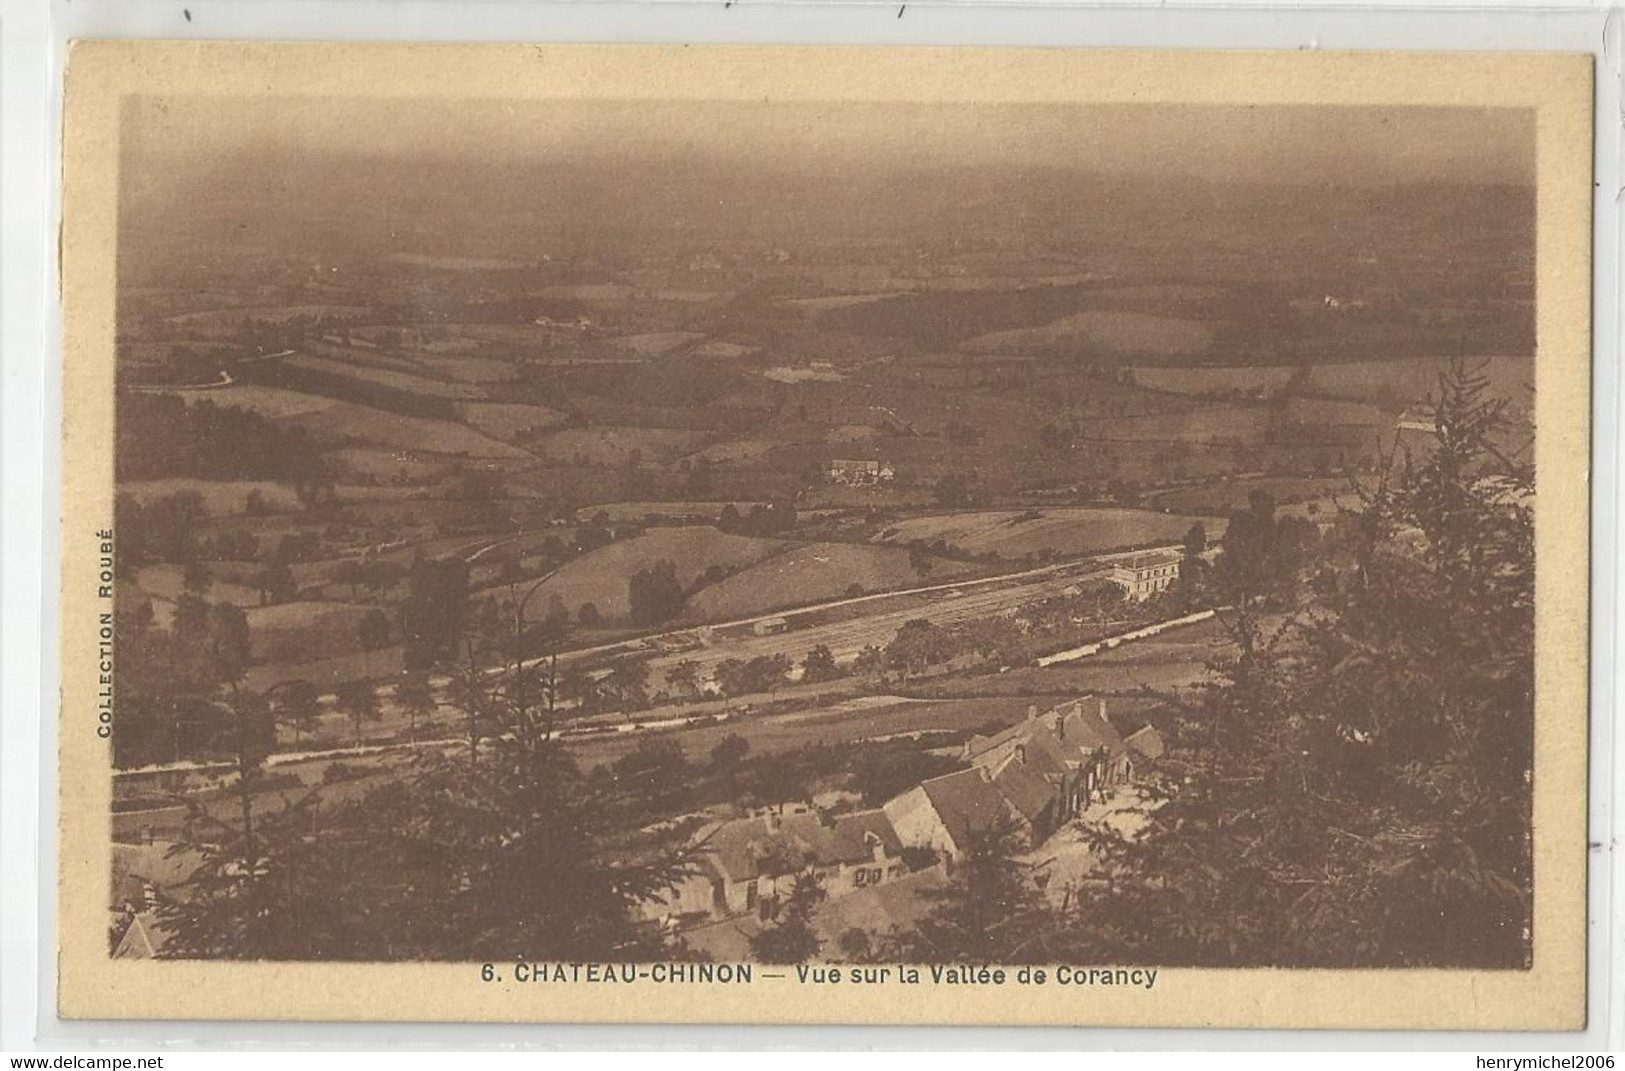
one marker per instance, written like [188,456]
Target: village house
[1143,575]
[945,814]
[1074,737]
[143,875]
[751,864]
[1031,778]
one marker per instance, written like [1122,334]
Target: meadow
[1100,332]
[813,573]
[352,424]
[600,576]
[392,376]
[508,421]
[1019,534]
[221,498]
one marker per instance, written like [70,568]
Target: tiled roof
[967,803]
[1151,558]
[1146,741]
[878,909]
[1087,730]
[1058,738]
[144,938]
[850,839]
[746,848]
[1024,789]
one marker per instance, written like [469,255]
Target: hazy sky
[1299,145]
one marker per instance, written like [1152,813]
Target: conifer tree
[1354,788]
[792,937]
[990,911]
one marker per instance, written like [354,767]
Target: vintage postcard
[850,535]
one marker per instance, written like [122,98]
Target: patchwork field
[1135,334]
[357,424]
[164,582]
[815,305]
[786,373]
[366,492]
[813,573]
[1332,411]
[224,318]
[1060,531]
[386,465]
[1387,382]
[620,512]
[1509,377]
[274,402]
[515,335]
[735,450]
[221,498]
[612,292]
[505,421]
[326,673]
[304,631]
[391,377]
[1215,424]
[617,445]
[727,351]
[471,369]
[600,577]
[1205,379]
[654,343]
[1217,498]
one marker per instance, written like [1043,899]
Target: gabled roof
[1024,789]
[1085,730]
[879,909]
[967,802]
[850,840]
[746,848]
[1152,558]
[1032,732]
[143,940]
[1058,739]
[1037,749]
[1146,741]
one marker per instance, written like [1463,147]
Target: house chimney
[1032,711]
[1103,717]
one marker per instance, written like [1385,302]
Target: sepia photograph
[794,537]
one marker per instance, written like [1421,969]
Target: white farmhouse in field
[860,473]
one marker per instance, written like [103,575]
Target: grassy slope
[1064,531]
[601,576]
[812,573]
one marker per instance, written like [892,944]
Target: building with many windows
[1143,575]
